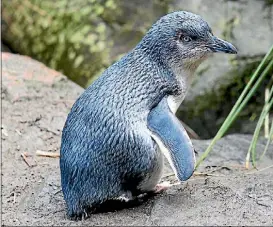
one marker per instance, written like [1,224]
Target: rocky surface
[246,24]
[82,43]
[221,79]
[35,103]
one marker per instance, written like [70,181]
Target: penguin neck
[184,77]
[183,74]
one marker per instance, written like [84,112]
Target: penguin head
[183,38]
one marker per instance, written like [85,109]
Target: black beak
[219,45]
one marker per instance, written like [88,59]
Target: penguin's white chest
[174,102]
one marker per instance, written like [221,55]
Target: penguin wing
[172,139]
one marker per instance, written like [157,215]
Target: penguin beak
[219,45]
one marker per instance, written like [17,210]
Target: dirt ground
[36,101]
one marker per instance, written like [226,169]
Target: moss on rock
[77,38]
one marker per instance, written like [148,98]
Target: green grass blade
[230,118]
[270,139]
[250,93]
[268,57]
[252,147]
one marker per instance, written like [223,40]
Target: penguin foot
[80,216]
[162,187]
[125,198]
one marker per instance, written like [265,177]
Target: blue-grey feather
[163,123]
[105,148]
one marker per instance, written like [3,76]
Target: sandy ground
[35,103]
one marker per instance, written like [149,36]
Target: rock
[4,48]
[220,80]
[232,21]
[36,101]
[79,39]
[82,43]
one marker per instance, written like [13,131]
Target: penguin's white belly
[164,151]
[175,101]
[152,179]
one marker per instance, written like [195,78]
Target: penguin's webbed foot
[85,214]
[162,187]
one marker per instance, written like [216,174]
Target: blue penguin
[118,130]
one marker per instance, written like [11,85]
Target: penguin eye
[187,39]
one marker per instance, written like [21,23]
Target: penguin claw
[80,216]
[124,199]
[162,187]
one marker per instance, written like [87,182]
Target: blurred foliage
[82,38]
[221,99]
[263,71]
[268,2]
[60,33]
[229,27]
[74,37]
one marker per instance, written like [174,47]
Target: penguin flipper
[172,139]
